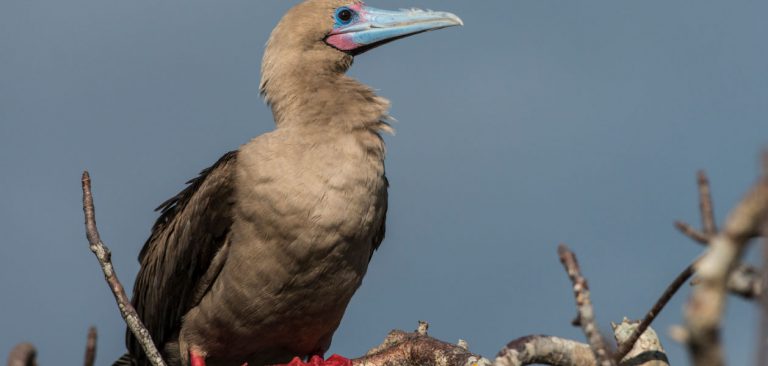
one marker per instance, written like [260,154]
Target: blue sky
[539,122]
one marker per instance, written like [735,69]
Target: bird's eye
[344,15]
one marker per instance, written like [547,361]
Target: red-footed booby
[257,259]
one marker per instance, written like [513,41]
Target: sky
[537,123]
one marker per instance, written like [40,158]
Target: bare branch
[90,347]
[540,349]
[23,354]
[626,346]
[105,260]
[745,281]
[692,233]
[706,206]
[707,302]
[707,213]
[584,305]
[401,348]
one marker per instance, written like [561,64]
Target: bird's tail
[126,360]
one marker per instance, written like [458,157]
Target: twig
[23,355]
[105,260]
[626,346]
[705,307]
[692,233]
[706,211]
[90,347]
[706,206]
[584,305]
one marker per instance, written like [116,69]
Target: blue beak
[369,27]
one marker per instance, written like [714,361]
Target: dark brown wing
[191,229]
[379,237]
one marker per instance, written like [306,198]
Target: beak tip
[458,20]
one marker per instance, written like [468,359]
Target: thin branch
[707,303]
[105,260]
[90,347]
[626,346]
[706,211]
[706,206]
[584,305]
[692,233]
[23,354]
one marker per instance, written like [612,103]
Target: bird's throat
[331,101]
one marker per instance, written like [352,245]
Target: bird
[257,258]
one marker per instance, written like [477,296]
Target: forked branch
[584,305]
[707,302]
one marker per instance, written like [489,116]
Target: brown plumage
[257,259]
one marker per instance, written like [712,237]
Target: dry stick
[23,355]
[692,233]
[707,213]
[540,349]
[105,260]
[584,305]
[401,348]
[90,347]
[680,280]
[706,206]
[707,302]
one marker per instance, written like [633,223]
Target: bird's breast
[305,217]
[312,189]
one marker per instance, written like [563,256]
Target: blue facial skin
[370,26]
[343,23]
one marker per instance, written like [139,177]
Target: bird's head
[328,33]
[316,41]
[358,28]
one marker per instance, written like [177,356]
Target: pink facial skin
[342,42]
[345,41]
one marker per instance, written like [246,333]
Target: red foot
[337,360]
[196,359]
[334,360]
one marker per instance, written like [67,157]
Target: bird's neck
[330,100]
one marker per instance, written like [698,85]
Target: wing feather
[379,237]
[191,229]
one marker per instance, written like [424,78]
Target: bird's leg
[196,358]
[317,360]
[336,360]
